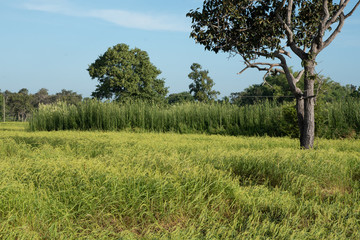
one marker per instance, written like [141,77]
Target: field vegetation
[339,119]
[125,185]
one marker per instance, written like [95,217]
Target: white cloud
[140,20]
[55,6]
[121,18]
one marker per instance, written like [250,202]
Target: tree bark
[4,102]
[307,124]
[300,115]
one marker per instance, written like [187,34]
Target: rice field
[126,185]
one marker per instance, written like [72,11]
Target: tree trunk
[300,115]
[4,102]
[305,108]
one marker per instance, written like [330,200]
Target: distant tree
[256,29]
[67,96]
[225,99]
[127,74]
[180,98]
[202,86]
[277,89]
[41,97]
[3,105]
[19,103]
[355,93]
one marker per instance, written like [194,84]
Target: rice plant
[123,185]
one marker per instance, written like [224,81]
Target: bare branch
[326,10]
[352,11]
[289,13]
[326,23]
[289,33]
[322,25]
[257,65]
[286,53]
[335,33]
[270,69]
[274,68]
[339,12]
[290,77]
[301,73]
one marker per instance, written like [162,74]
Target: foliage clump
[127,74]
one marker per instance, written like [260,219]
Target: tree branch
[290,77]
[352,11]
[335,33]
[289,13]
[334,18]
[301,73]
[322,26]
[272,68]
[289,33]
[326,23]
[258,64]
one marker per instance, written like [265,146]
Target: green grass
[13,126]
[122,185]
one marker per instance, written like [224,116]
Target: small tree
[202,85]
[125,73]
[271,29]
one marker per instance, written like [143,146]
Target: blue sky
[50,43]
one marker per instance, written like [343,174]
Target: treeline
[334,120]
[277,89]
[18,106]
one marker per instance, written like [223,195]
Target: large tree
[127,74]
[202,85]
[270,29]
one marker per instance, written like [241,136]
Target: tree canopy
[19,105]
[202,85]
[277,89]
[270,29]
[180,97]
[127,74]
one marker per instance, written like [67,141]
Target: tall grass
[121,185]
[184,118]
[341,119]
